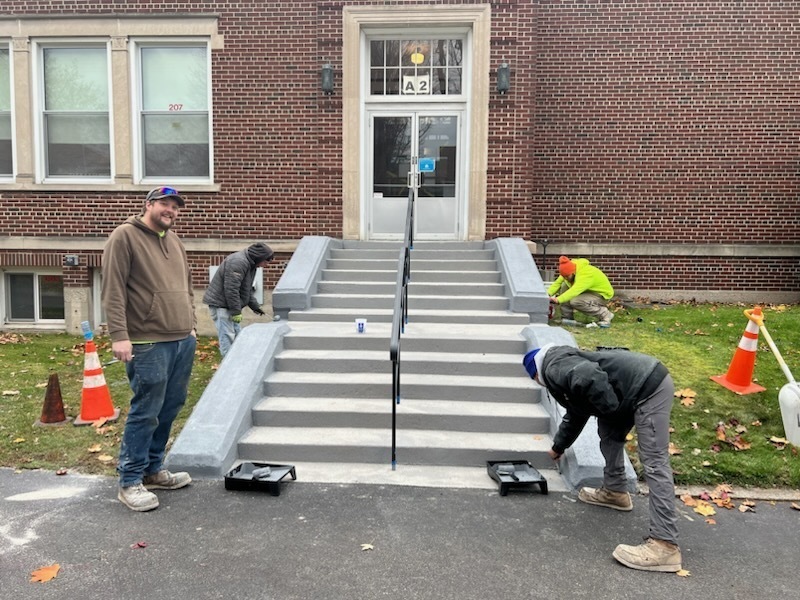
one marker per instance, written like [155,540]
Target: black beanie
[259,252]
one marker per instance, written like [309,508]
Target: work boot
[653,555]
[137,498]
[164,480]
[605,497]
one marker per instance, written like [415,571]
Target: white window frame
[37,322]
[137,135]
[40,143]
[9,177]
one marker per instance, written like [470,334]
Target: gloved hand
[237,318]
[258,311]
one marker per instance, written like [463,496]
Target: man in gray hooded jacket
[621,389]
[231,289]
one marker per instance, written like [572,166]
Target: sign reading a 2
[174,107]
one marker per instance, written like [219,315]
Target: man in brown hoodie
[147,297]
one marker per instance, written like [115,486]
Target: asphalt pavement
[308,543]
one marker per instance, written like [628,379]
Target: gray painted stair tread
[407,355]
[410,475]
[408,438]
[461,381]
[407,406]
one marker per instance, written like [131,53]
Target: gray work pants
[588,303]
[652,427]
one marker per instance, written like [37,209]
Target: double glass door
[397,141]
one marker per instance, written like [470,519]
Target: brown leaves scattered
[45,573]
[731,433]
[673,449]
[687,396]
[719,497]
[13,338]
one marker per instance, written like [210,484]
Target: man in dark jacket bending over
[621,389]
[231,290]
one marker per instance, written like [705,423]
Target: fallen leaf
[94,449]
[704,508]
[705,463]
[18,440]
[683,573]
[100,422]
[685,393]
[739,443]
[10,392]
[687,401]
[688,500]
[710,521]
[696,452]
[61,472]
[673,449]
[41,385]
[367,547]
[45,573]
[139,545]
[756,423]
[629,437]
[795,505]
[105,458]
[695,426]
[721,435]
[744,508]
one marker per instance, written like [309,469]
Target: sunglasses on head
[162,192]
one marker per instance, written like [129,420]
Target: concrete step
[413,446]
[412,386]
[416,254]
[415,288]
[411,475]
[418,337]
[419,276]
[419,245]
[414,301]
[487,417]
[378,361]
[390,264]
[384,315]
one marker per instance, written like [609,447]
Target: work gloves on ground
[237,318]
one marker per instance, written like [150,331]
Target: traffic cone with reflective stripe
[739,377]
[96,397]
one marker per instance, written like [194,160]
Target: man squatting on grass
[147,296]
[621,389]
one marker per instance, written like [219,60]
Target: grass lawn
[718,437]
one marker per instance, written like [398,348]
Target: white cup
[361,325]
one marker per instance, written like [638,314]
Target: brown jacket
[147,285]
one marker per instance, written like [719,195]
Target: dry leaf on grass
[105,458]
[94,449]
[673,449]
[45,573]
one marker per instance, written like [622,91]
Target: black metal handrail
[400,315]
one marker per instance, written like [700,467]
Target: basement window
[34,297]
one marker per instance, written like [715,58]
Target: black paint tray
[515,473]
[241,478]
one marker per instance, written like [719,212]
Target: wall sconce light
[503,78]
[327,79]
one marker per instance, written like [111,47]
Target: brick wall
[627,122]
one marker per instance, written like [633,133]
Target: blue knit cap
[529,363]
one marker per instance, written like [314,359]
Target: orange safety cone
[739,377]
[53,408]
[96,397]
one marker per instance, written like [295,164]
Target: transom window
[6,158]
[419,67]
[174,111]
[75,115]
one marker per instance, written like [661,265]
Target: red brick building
[659,139]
